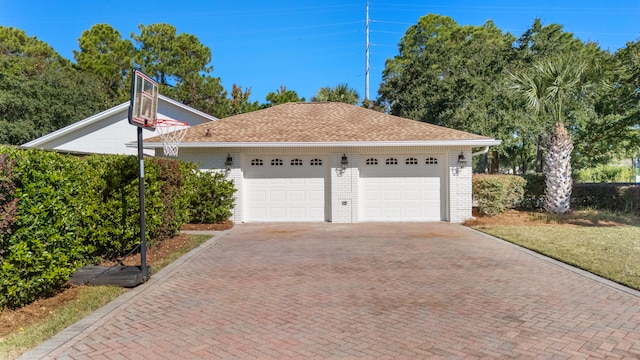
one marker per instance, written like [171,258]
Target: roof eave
[187,108]
[103,115]
[77,125]
[212,144]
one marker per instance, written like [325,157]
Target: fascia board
[484,142]
[187,108]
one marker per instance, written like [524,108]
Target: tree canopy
[339,93]
[460,77]
[281,96]
[40,91]
[104,53]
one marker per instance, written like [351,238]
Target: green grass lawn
[610,251]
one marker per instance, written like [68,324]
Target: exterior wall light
[229,162]
[344,162]
[462,162]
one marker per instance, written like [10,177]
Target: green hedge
[71,211]
[495,193]
[212,200]
[489,192]
[616,197]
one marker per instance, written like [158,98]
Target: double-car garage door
[390,188]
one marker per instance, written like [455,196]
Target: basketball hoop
[171,132]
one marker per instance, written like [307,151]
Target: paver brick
[410,290]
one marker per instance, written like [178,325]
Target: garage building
[336,162]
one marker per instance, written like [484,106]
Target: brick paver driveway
[423,290]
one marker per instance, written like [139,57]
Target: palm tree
[549,89]
[339,93]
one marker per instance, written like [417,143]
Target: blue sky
[305,45]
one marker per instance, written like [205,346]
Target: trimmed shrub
[70,211]
[212,199]
[496,193]
[533,192]
[45,248]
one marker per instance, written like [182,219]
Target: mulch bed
[224,225]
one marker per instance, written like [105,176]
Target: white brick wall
[343,186]
[237,176]
[460,192]
[344,189]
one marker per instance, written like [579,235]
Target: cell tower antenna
[366,67]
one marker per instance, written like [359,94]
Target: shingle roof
[319,122]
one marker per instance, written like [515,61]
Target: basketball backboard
[143,110]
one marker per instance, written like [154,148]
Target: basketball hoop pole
[143,113]
[143,225]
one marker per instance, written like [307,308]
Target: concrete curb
[99,316]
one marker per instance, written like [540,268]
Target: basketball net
[171,132]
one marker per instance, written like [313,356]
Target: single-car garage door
[401,188]
[285,188]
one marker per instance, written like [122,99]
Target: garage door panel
[317,212]
[275,196]
[296,195]
[392,195]
[258,195]
[371,195]
[412,180]
[297,212]
[412,211]
[296,181]
[412,195]
[402,192]
[277,213]
[257,212]
[393,212]
[316,195]
[286,192]
[392,180]
[372,212]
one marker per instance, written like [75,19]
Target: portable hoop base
[171,132]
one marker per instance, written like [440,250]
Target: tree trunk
[495,163]
[524,158]
[557,170]
[539,155]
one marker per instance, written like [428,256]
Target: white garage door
[401,188]
[285,188]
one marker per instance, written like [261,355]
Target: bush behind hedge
[71,211]
[212,199]
[496,193]
[8,201]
